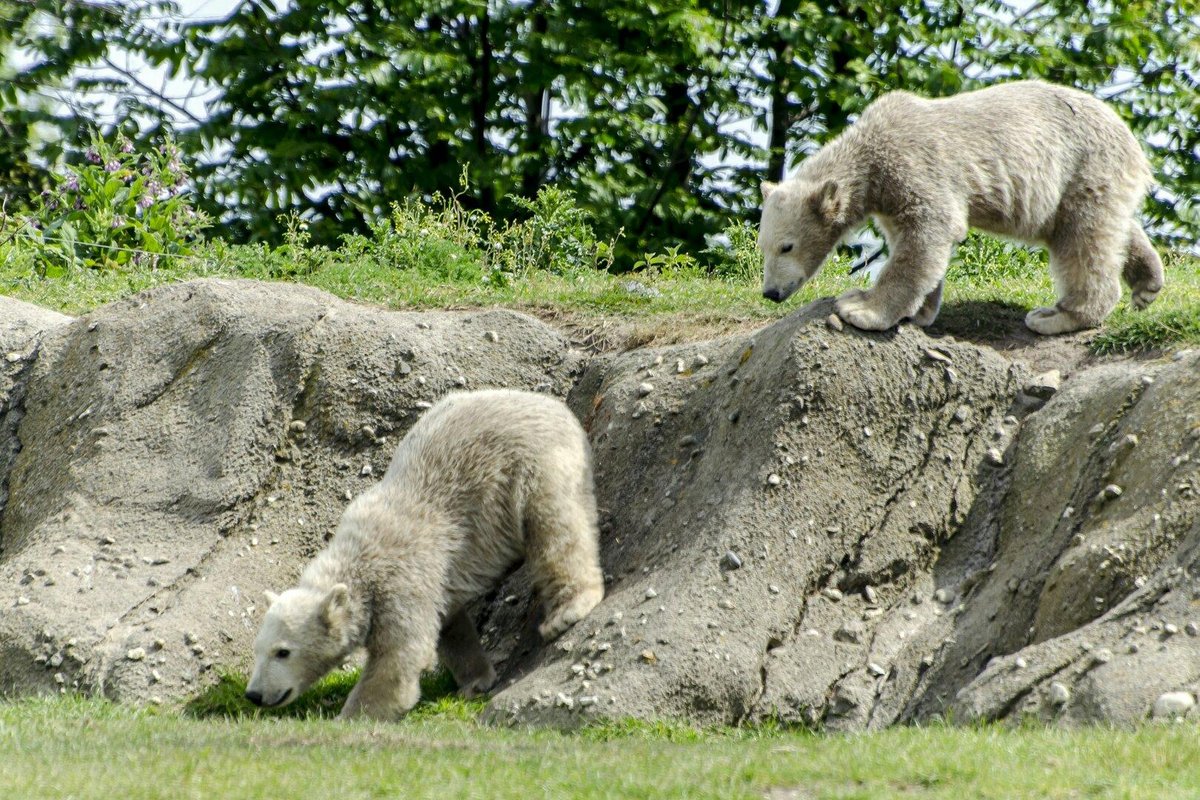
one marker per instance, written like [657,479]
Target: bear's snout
[774,295]
[254,697]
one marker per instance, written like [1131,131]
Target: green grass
[74,748]
[990,285]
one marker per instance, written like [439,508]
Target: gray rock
[1045,384]
[1171,705]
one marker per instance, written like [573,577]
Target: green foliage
[660,119]
[227,698]
[120,209]
[739,260]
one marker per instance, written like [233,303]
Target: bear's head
[801,223]
[305,633]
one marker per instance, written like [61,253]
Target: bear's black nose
[773,294]
[254,697]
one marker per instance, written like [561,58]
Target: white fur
[1028,160]
[482,480]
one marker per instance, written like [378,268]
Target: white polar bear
[481,480]
[1029,160]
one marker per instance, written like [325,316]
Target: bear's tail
[1143,269]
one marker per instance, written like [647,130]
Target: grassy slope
[89,749]
[986,275]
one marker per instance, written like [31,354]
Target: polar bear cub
[481,480]
[1028,160]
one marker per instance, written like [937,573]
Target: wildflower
[126,145]
[118,221]
[145,201]
[112,165]
[92,155]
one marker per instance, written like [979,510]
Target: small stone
[366,470]
[491,336]
[22,600]
[13,357]
[774,480]
[995,457]
[651,593]
[1110,492]
[962,413]
[730,560]
[951,375]
[1191,629]
[1170,705]
[56,660]
[1059,694]
[1170,629]
[938,355]
[649,657]
[851,632]
[1102,656]
[616,618]
[510,599]
[833,594]
[944,596]
[700,360]
[1147,380]
[871,595]
[587,700]
[876,670]
[927,661]
[577,669]
[190,638]
[59,678]
[834,322]
[564,701]
[297,426]
[155,676]
[772,588]
[867,431]
[644,389]
[1045,385]
[725,603]
[136,654]
[1020,662]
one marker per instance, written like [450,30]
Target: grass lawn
[74,748]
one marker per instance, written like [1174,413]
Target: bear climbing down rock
[1028,160]
[481,480]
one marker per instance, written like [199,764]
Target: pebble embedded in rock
[938,355]
[1110,492]
[564,701]
[995,457]
[491,336]
[730,560]
[870,594]
[1170,629]
[725,603]
[944,596]
[876,670]
[645,388]
[773,589]
[1045,385]
[851,632]
[1170,705]
[651,593]
[22,600]
[1059,694]
[649,657]
[298,426]
[834,322]
[1191,629]
[1102,656]
[700,360]
[136,654]
[1020,662]
[962,414]
[366,470]
[774,480]
[833,594]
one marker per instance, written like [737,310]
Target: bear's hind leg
[563,551]
[929,309]
[1143,269]
[1085,266]
[460,652]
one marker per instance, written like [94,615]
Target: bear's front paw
[564,616]
[479,686]
[857,308]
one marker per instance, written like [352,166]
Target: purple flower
[126,146]
[72,183]
[112,165]
[118,221]
[92,155]
[145,201]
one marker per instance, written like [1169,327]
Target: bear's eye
[282,652]
[787,248]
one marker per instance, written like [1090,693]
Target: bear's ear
[335,608]
[271,597]
[767,187]
[828,202]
